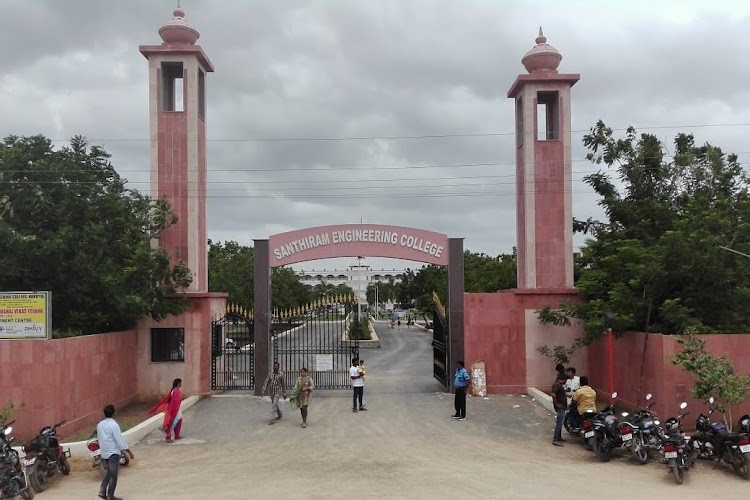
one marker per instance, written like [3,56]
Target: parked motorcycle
[640,433]
[714,442]
[606,432]
[13,478]
[678,453]
[585,429]
[96,455]
[45,456]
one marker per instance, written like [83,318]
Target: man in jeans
[275,385]
[358,385]
[111,447]
[560,403]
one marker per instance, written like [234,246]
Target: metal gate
[233,350]
[316,337]
[440,368]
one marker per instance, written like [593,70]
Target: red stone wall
[70,378]
[636,374]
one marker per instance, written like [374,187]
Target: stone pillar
[544,218]
[177,118]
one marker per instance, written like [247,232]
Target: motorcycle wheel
[742,466]
[602,450]
[566,424]
[64,465]
[589,443]
[678,474]
[124,459]
[28,493]
[640,453]
[38,479]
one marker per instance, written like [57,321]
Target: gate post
[262,314]
[455,305]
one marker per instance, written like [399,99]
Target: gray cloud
[302,70]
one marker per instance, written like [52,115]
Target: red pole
[610,344]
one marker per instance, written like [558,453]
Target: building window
[548,116]
[519,123]
[202,94]
[167,344]
[172,97]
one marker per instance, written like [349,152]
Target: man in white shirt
[572,383]
[111,447]
[358,385]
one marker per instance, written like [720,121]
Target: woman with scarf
[302,394]
[171,405]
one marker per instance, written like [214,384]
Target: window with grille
[167,344]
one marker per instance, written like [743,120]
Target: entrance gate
[233,350]
[440,344]
[315,337]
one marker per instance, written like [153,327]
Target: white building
[357,276]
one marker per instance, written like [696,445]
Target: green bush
[360,330]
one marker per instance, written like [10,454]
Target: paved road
[404,447]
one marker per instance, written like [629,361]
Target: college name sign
[354,240]
[25,315]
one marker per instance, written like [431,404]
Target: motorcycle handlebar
[7,424]
[59,423]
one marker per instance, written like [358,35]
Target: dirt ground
[405,446]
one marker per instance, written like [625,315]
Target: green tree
[287,291]
[231,269]
[656,261]
[716,376]
[69,225]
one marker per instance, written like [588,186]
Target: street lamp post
[377,304]
[359,287]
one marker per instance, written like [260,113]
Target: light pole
[377,304]
[359,288]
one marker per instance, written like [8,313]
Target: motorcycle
[606,432]
[45,456]
[13,478]
[640,434]
[586,429]
[714,442]
[96,455]
[675,446]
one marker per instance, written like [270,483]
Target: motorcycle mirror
[683,405]
[8,430]
[648,397]
[711,400]
[614,395]
[625,414]
[657,422]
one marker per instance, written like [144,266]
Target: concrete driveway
[405,446]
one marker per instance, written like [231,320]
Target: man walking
[560,402]
[358,385]
[461,384]
[277,389]
[111,447]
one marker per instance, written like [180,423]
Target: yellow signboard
[25,315]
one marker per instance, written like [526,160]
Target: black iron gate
[233,351]
[316,337]
[440,368]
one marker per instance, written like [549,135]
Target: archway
[353,240]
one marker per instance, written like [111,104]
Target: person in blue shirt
[111,447]
[461,384]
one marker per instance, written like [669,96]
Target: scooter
[96,454]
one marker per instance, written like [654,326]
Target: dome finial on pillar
[543,58]
[178,30]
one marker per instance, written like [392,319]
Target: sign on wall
[324,362]
[25,315]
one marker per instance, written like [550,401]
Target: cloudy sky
[382,111]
